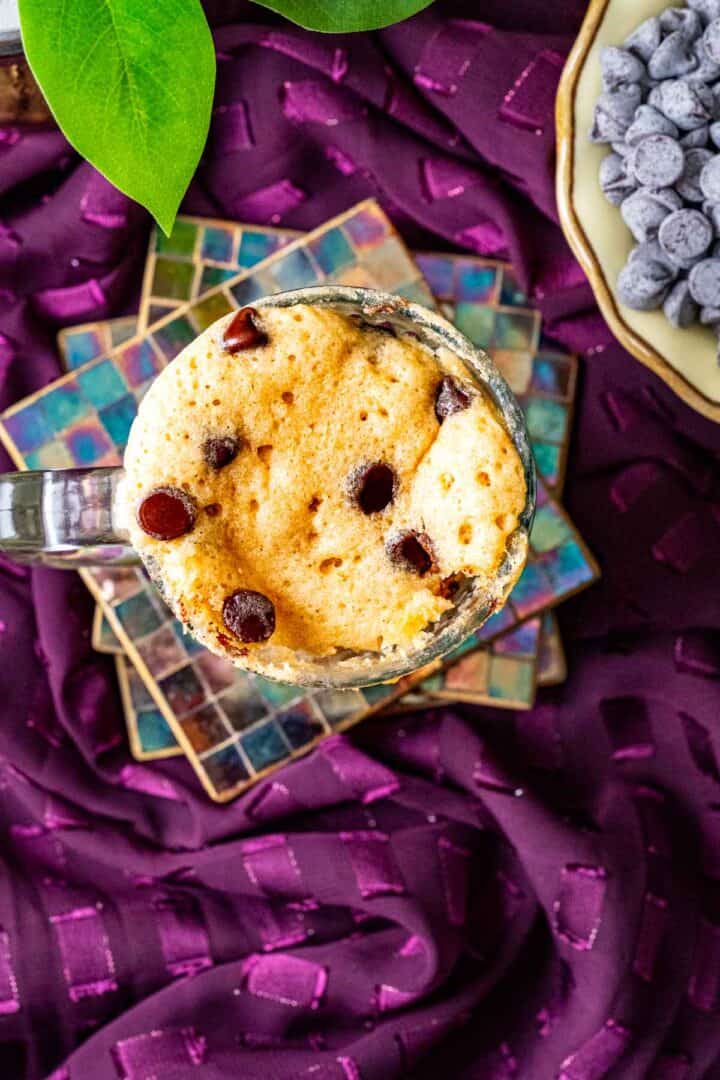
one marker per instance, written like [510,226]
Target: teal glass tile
[139,693]
[438,271]
[52,455]
[264,745]
[550,375]
[173,336]
[137,615]
[416,292]
[225,769]
[515,330]
[495,624]
[567,567]
[274,692]
[477,322]
[367,228]
[434,682]
[332,251]
[256,246]
[512,292]
[547,459]
[217,244]
[375,694]
[80,347]
[117,419]
[300,724]
[181,240]
[138,363]
[522,641]
[153,731]
[88,443]
[549,529]
[546,419]
[476,283]
[102,384]
[248,290]
[29,427]
[63,405]
[533,591]
[212,276]
[294,271]
[172,280]
[511,679]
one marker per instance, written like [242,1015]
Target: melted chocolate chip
[450,586]
[244,332]
[373,487]
[220,451]
[249,615]
[166,513]
[450,397]
[412,551]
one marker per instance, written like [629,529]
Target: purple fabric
[472,893]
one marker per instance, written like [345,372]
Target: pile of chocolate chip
[660,112]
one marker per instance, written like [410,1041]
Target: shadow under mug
[70,518]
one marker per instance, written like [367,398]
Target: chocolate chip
[249,615]
[412,551]
[451,397]
[373,487]
[450,586]
[244,332]
[219,451]
[166,513]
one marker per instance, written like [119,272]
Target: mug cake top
[300,483]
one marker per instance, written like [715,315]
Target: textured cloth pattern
[466,893]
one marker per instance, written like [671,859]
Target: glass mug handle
[63,517]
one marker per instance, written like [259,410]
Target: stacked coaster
[235,727]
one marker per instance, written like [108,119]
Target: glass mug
[68,518]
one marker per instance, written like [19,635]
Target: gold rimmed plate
[687,360]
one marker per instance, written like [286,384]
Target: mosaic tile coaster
[149,733]
[199,254]
[502,674]
[234,727]
[463,279]
[80,344]
[103,638]
[551,664]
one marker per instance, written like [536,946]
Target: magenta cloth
[472,893]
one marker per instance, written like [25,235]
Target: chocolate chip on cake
[412,551]
[244,332]
[373,487]
[249,615]
[451,397]
[450,586]
[219,451]
[166,513]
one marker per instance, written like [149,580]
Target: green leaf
[344,16]
[130,82]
